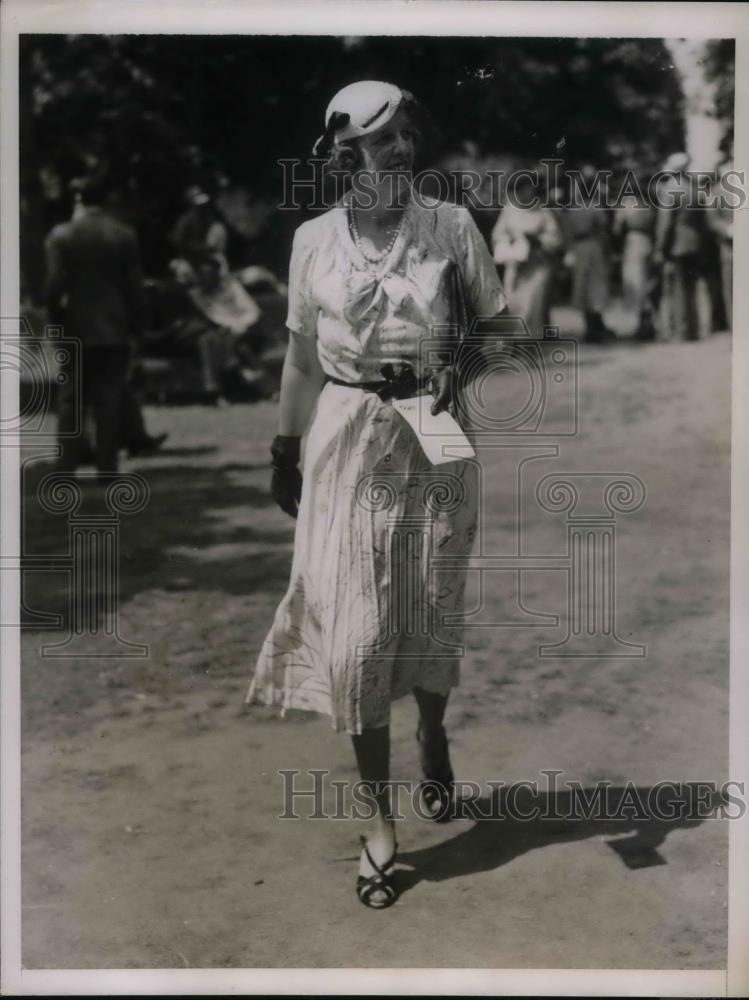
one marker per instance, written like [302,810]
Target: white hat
[359,109]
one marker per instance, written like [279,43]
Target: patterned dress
[369,614]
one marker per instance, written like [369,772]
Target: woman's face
[390,148]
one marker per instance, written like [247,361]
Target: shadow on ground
[500,834]
[193,534]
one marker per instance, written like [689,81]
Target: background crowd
[150,186]
[655,256]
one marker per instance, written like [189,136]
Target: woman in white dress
[369,280]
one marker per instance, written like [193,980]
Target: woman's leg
[437,796]
[431,713]
[372,749]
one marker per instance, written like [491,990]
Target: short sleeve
[302,315]
[477,267]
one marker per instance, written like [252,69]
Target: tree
[160,112]
[695,61]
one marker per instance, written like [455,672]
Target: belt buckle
[398,386]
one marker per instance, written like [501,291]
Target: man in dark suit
[94,289]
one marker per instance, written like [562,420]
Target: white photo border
[384,17]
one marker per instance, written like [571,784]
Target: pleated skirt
[370,612]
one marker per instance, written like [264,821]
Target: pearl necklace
[382,254]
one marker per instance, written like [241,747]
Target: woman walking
[369,280]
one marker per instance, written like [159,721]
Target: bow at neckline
[368,290]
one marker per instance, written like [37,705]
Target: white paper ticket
[434,433]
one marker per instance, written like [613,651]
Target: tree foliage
[720,67]
[160,112]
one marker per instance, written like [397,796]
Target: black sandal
[438,788]
[381,881]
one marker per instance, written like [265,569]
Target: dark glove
[442,385]
[286,480]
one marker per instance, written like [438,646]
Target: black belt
[391,387]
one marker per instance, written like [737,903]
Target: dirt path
[151,796]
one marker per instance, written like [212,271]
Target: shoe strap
[381,871]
